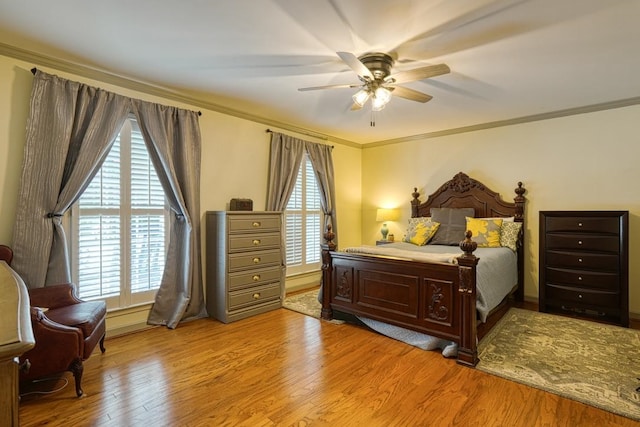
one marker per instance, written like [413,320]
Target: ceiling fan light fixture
[383,94]
[361,97]
[377,105]
[381,98]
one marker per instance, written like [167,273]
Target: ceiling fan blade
[355,64]
[419,73]
[410,94]
[302,89]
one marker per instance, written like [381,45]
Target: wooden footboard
[433,298]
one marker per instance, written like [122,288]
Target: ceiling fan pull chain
[372,123]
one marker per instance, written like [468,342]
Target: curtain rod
[34,69]
[270,131]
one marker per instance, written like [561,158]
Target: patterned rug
[304,302]
[593,363]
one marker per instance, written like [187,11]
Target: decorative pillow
[504,219]
[485,231]
[411,228]
[452,224]
[423,232]
[509,235]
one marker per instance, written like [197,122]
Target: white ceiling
[508,58]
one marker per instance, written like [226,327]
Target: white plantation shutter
[120,226]
[99,231]
[302,222]
[147,219]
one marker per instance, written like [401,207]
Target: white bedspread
[413,255]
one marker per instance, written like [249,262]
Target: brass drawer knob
[256,296]
[579,242]
[256,224]
[256,260]
[256,242]
[579,259]
[580,296]
[579,224]
[256,277]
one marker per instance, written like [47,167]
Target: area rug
[304,302]
[593,363]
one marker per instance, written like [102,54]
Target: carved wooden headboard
[464,192]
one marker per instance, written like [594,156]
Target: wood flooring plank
[282,368]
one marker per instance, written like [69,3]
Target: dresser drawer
[583,224]
[585,260]
[588,279]
[259,259]
[254,242]
[254,277]
[254,223]
[253,296]
[587,242]
[591,297]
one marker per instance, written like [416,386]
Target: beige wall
[587,161]
[234,159]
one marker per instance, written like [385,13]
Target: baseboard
[128,329]
[128,320]
[300,282]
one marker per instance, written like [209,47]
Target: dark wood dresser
[584,264]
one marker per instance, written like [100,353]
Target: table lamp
[384,215]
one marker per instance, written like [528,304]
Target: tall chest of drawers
[584,264]
[245,265]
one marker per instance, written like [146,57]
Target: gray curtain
[286,156]
[322,161]
[284,163]
[70,131]
[172,137]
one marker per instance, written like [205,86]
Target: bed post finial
[519,201]
[328,237]
[415,203]
[468,245]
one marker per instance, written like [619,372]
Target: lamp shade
[361,97]
[387,214]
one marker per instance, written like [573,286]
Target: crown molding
[197,101]
[104,76]
[515,121]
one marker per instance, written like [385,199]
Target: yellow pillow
[485,231]
[423,232]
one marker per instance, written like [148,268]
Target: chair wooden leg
[77,368]
[102,349]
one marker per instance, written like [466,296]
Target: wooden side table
[383,242]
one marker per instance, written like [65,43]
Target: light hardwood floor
[282,368]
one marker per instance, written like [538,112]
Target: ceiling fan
[377,82]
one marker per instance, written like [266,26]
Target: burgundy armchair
[66,330]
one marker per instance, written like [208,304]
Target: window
[303,219]
[119,227]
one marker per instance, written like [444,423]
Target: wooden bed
[432,298]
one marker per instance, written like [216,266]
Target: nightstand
[383,242]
